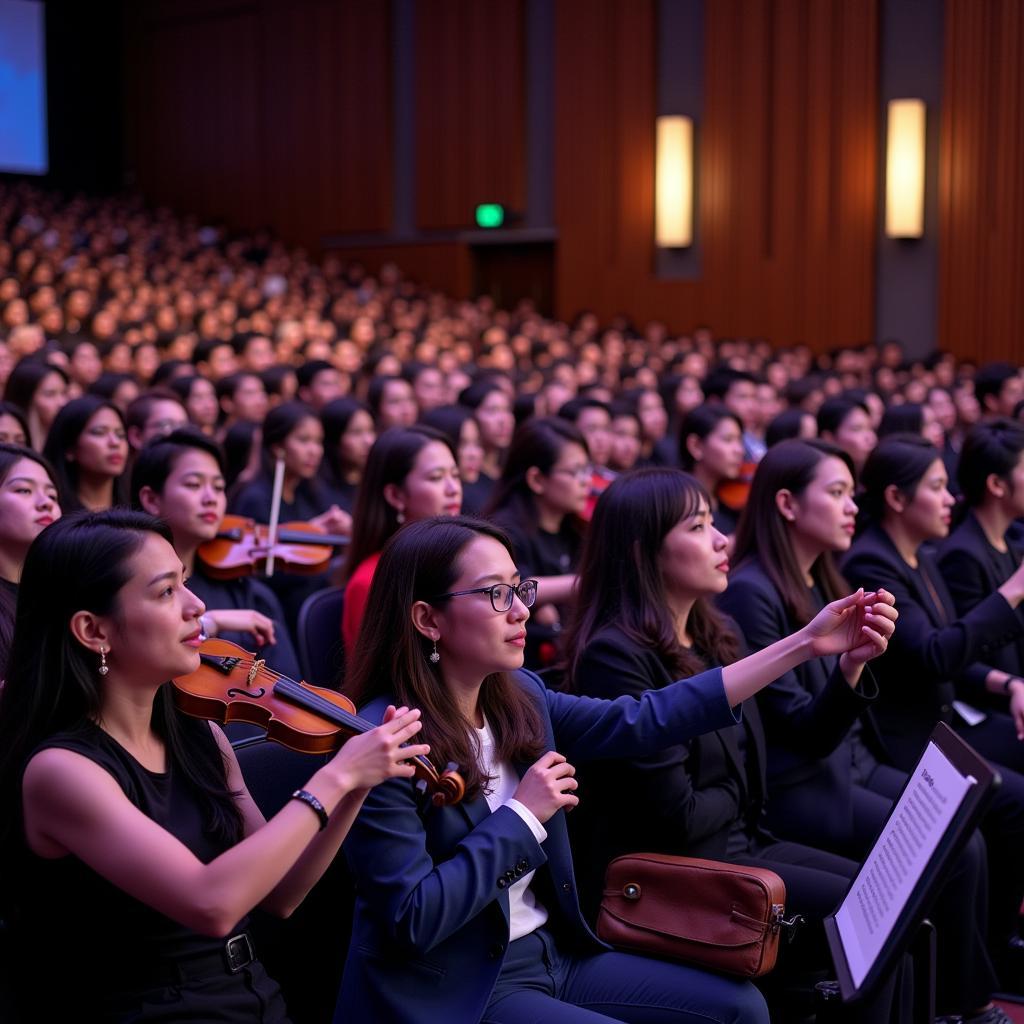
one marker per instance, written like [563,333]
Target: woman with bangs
[539,502]
[28,504]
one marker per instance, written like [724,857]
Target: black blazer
[972,571]
[683,800]
[933,655]
[808,713]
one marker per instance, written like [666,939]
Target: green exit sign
[490,215]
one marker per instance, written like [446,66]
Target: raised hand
[858,626]
[548,786]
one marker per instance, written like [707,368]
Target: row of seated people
[830,757]
[534,494]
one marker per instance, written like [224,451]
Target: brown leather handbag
[722,916]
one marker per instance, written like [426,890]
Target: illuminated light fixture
[904,169]
[673,183]
[490,215]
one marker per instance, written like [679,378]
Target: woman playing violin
[130,850]
[292,432]
[470,912]
[180,479]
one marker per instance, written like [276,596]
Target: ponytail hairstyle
[900,460]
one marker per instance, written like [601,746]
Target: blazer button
[496,950]
[502,883]
[567,886]
[523,865]
[510,876]
[519,872]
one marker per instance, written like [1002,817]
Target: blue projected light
[23,148]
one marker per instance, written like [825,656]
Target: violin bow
[275,511]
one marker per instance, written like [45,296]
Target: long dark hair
[67,428]
[537,443]
[900,460]
[390,461]
[763,533]
[53,685]
[28,373]
[701,422]
[10,456]
[18,415]
[621,583]
[336,416]
[419,562]
[279,423]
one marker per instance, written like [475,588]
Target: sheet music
[900,855]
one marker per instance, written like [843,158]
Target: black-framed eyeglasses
[501,594]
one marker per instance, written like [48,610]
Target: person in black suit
[937,667]
[983,552]
[645,619]
[830,779]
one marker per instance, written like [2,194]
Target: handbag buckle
[631,890]
[778,922]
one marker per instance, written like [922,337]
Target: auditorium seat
[321,652]
[305,953]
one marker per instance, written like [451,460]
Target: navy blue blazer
[431,923]
[932,654]
[972,570]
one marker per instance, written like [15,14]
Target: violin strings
[309,698]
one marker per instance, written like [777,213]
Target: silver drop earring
[435,657]
[103,661]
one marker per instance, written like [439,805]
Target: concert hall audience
[156,316]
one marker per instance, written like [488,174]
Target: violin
[243,547]
[233,685]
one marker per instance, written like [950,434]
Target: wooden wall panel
[470,108]
[787,168]
[981,181]
[264,112]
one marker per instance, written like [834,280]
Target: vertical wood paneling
[981,181]
[264,112]
[470,104]
[787,155]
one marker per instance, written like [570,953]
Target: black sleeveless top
[95,930]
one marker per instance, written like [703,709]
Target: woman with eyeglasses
[538,501]
[470,912]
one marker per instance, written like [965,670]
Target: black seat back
[304,954]
[318,637]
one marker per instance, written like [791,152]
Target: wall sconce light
[904,169]
[673,183]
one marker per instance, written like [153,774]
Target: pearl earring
[399,518]
[103,661]
[435,657]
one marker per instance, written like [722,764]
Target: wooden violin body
[233,685]
[242,547]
